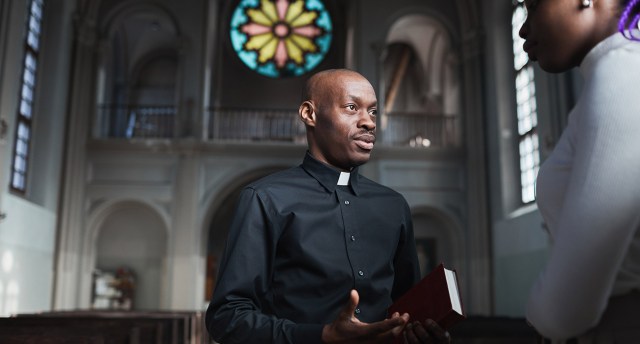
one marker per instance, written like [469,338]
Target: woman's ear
[307,113]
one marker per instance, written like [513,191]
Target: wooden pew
[131,327]
[52,339]
[176,327]
[37,330]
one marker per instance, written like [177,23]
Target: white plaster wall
[27,238]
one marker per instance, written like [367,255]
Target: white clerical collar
[344,178]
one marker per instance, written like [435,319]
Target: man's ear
[307,112]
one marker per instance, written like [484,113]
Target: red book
[436,297]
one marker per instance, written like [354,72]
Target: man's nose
[367,121]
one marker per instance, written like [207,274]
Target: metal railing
[419,130]
[136,121]
[399,129]
[254,125]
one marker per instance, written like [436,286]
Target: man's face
[346,109]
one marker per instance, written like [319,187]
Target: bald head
[325,80]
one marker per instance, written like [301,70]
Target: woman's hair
[629,19]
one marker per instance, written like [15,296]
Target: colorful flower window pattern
[280,38]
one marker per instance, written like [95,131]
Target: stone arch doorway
[134,236]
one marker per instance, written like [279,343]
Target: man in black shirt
[317,253]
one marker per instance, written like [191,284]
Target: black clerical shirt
[298,244]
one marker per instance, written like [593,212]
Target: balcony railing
[139,121]
[252,125]
[419,130]
[400,129]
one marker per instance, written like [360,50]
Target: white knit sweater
[588,192]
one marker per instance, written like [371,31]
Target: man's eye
[373,112]
[351,107]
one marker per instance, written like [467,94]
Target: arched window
[526,108]
[22,140]
[137,93]
[421,85]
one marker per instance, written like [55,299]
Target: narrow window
[526,108]
[24,122]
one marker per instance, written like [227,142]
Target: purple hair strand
[629,21]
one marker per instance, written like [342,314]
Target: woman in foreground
[588,189]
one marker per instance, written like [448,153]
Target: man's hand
[427,332]
[348,329]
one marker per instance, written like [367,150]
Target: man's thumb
[352,304]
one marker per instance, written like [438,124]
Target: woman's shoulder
[620,57]
[611,86]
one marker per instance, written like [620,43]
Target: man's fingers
[410,335]
[396,331]
[435,330]
[427,332]
[420,333]
[399,329]
[392,325]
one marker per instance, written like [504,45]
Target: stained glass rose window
[280,38]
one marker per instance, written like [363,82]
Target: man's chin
[361,159]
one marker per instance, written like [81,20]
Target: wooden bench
[130,327]
[63,331]
[52,339]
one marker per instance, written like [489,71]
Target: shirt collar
[615,41]
[328,176]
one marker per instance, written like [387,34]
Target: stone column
[71,219]
[478,274]
[186,268]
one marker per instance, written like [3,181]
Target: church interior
[129,127]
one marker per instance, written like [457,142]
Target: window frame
[527,195]
[22,119]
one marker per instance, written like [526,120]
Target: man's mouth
[365,141]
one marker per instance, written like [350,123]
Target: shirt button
[353,238]
[357,310]
[360,273]
[346,202]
